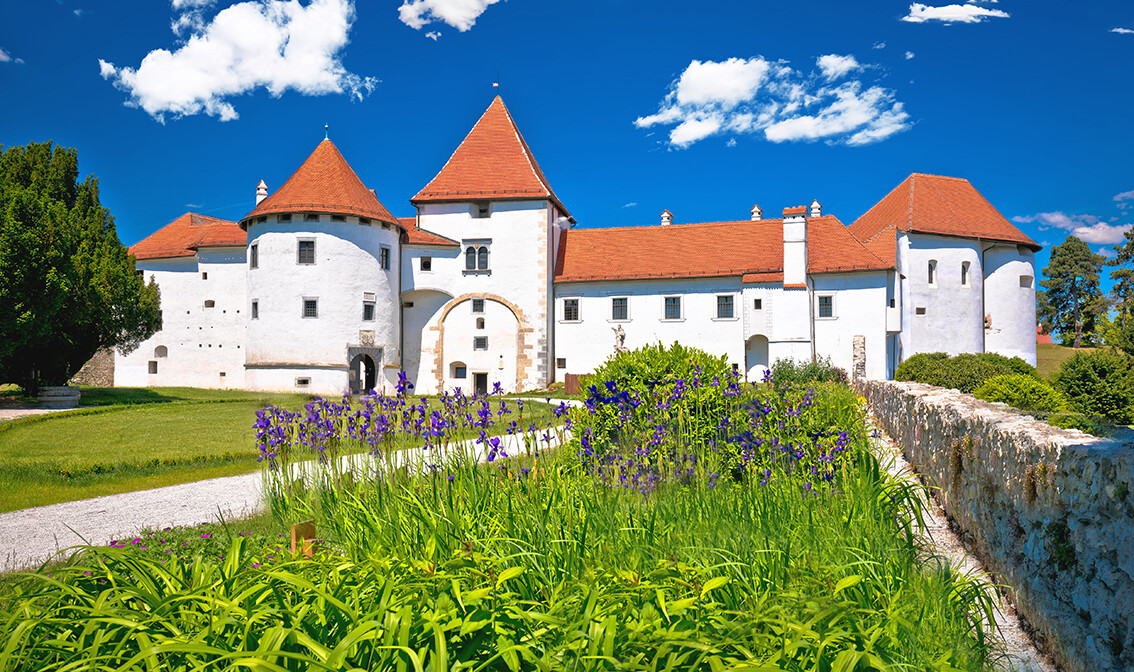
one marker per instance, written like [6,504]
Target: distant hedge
[1098,383]
[964,372]
[1023,392]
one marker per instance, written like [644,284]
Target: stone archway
[756,358]
[523,357]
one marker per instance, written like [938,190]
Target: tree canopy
[67,284]
[1072,297]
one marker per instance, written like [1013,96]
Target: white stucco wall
[859,309]
[953,322]
[587,343]
[420,339]
[499,361]
[201,343]
[345,271]
[1010,301]
[519,240]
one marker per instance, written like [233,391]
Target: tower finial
[326,131]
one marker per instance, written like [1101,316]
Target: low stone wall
[1050,510]
[98,371]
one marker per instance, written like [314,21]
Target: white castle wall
[200,343]
[1010,301]
[859,310]
[953,322]
[346,268]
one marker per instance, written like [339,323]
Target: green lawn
[133,439]
[1049,356]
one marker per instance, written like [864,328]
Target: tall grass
[774,541]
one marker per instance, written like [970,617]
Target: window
[470,259]
[384,258]
[826,306]
[338,218]
[153,366]
[758,304]
[255,310]
[893,303]
[724,307]
[482,259]
[210,304]
[620,308]
[254,256]
[478,305]
[476,257]
[964,274]
[480,323]
[204,275]
[285,218]
[365,221]
[368,311]
[673,307]
[261,219]
[480,343]
[459,370]
[407,304]
[311,217]
[427,264]
[306,254]
[570,310]
[933,273]
[1026,281]
[311,308]
[302,382]
[920,310]
[161,351]
[481,210]
[561,363]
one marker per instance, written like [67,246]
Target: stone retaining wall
[98,371]
[1050,510]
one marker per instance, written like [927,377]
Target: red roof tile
[182,237]
[715,249]
[948,206]
[797,210]
[493,162]
[324,183]
[416,236]
[766,276]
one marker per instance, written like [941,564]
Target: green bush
[1076,421]
[1023,392]
[1098,383]
[790,373]
[964,372]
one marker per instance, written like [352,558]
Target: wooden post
[303,538]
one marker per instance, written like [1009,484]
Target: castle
[321,289]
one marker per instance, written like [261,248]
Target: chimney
[261,191]
[666,218]
[816,209]
[795,245]
[757,213]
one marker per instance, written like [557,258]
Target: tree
[1072,295]
[67,284]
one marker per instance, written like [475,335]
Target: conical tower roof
[325,183]
[493,162]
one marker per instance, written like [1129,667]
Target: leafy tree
[1072,296]
[67,284]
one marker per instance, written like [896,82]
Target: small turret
[757,213]
[666,218]
[816,209]
[261,191]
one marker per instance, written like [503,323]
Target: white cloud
[460,14]
[755,95]
[1088,228]
[433,35]
[879,45]
[1122,31]
[909,55]
[631,204]
[731,142]
[179,5]
[5,57]
[1123,198]
[279,45]
[969,13]
[834,66]
[1108,252]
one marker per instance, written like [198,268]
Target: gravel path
[1020,652]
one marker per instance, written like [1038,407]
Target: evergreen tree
[1072,295]
[67,284]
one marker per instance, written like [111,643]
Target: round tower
[323,276]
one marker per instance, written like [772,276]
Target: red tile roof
[324,183]
[948,206]
[797,210]
[744,248]
[416,236]
[182,237]
[493,162]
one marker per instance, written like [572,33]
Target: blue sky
[631,107]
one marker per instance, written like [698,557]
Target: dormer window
[338,218]
[311,217]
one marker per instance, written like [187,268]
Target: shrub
[1098,383]
[1023,392]
[790,373]
[1076,421]
[964,372]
